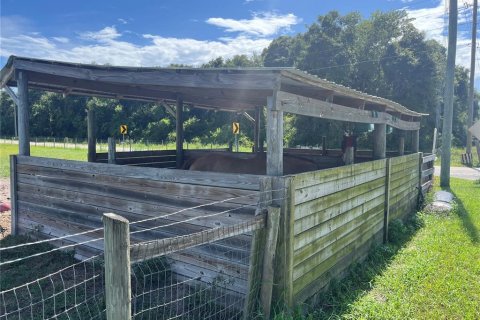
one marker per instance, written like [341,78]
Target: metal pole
[449,82]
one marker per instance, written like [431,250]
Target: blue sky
[157,33]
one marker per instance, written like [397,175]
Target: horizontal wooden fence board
[85,182]
[338,270]
[429,158]
[234,181]
[320,190]
[308,179]
[331,212]
[323,229]
[335,261]
[314,206]
[317,251]
[137,154]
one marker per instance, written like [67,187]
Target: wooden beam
[296,104]
[379,141]
[170,109]
[227,79]
[23,114]
[15,107]
[179,136]
[91,134]
[161,247]
[257,129]
[274,137]
[117,267]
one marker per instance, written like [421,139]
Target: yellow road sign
[123,129]
[235,127]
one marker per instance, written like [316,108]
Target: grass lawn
[456,157]
[431,270]
[48,152]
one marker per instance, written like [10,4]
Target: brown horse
[255,164]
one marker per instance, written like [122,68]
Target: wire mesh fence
[74,292]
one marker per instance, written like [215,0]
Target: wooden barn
[329,218]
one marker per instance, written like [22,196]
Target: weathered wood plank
[323,229]
[13,195]
[428,172]
[314,192]
[235,181]
[305,266]
[121,186]
[268,271]
[118,285]
[309,179]
[335,260]
[429,158]
[137,154]
[297,104]
[337,271]
[161,247]
[333,211]
[320,243]
[335,199]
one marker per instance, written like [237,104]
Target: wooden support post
[477,144]
[23,114]
[349,156]
[324,145]
[112,147]
[283,196]
[257,130]
[274,137]
[117,267]
[92,139]
[256,253]
[13,195]
[401,143]
[273,220]
[379,141]
[179,121]
[415,140]
[386,212]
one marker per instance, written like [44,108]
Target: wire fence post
[117,267]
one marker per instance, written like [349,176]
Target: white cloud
[108,45]
[61,39]
[122,21]
[261,24]
[106,34]
[105,46]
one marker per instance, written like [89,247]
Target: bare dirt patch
[4,216]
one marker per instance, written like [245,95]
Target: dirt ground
[4,216]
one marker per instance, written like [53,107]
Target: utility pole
[448,109]
[472,77]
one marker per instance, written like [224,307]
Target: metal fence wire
[196,276]
[74,292]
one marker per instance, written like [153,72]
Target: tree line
[383,55]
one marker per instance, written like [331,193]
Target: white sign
[475,129]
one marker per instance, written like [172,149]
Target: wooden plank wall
[404,182]
[59,197]
[338,213]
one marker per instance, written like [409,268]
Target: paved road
[461,172]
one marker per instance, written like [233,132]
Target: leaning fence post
[117,267]
[273,220]
[111,150]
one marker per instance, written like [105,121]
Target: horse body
[249,165]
